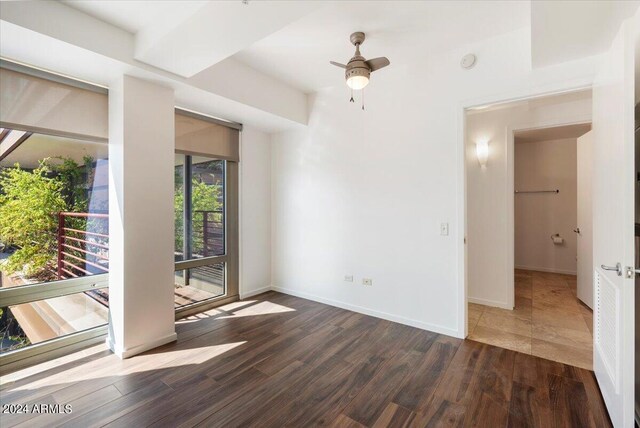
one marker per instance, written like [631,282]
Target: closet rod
[538,191]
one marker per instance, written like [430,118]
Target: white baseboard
[383,315]
[126,353]
[486,302]
[549,270]
[255,292]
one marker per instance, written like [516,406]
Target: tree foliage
[28,204]
[69,173]
[204,197]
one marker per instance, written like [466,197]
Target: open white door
[584,227]
[613,224]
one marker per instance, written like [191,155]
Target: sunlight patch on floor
[150,360]
[262,308]
[111,365]
[39,368]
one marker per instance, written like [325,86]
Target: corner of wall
[255,292]
[486,302]
[255,212]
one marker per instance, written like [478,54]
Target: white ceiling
[294,41]
[186,38]
[255,62]
[134,15]
[299,54]
[40,146]
[565,30]
[554,133]
[53,36]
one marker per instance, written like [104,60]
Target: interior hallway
[548,321]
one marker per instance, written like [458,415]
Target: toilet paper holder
[557,239]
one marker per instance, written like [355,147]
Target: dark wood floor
[278,360]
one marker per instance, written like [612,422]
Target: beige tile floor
[548,321]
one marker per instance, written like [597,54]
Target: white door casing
[613,224]
[584,223]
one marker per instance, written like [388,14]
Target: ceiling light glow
[357,82]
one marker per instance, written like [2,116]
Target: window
[206,211]
[54,218]
[200,201]
[54,230]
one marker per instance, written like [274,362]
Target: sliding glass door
[205,229]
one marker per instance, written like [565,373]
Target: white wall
[546,165]
[364,193]
[255,212]
[489,193]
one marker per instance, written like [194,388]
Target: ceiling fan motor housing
[357,68]
[357,65]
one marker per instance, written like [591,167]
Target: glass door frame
[231,236]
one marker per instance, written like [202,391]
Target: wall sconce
[482,152]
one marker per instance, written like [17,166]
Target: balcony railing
[76,305]
[83,244]
[208,233]
[83,241]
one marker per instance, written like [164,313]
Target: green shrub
[29,202]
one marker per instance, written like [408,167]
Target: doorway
[524,291]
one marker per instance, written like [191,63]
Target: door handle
[577,230]
[617,268]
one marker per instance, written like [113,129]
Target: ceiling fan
[358,69]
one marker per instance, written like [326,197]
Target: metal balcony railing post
[205,235]
[60,243]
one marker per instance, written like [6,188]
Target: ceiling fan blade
[377,63]
[337,64]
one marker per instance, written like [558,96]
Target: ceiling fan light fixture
[357,82]
[357,77]
[358,70]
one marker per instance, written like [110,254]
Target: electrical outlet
[348,278]
[444,229]
[367,281]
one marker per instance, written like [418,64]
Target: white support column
[141,223]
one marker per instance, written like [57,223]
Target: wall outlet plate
[444,229]
[367,281]
[348,278]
